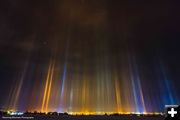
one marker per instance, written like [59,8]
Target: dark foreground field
[81,117]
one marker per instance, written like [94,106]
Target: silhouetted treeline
[65,116]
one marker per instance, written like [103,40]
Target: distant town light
[15,113]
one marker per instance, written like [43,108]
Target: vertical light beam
[48,86]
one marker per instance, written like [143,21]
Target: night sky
[89,56]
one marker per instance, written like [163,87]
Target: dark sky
[92,39]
